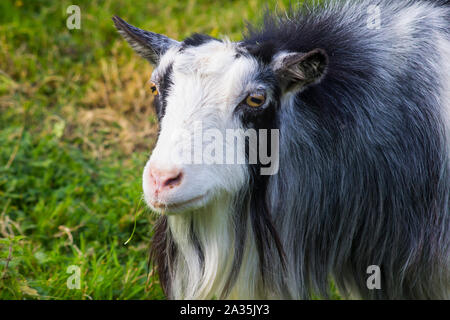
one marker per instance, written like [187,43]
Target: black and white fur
[364,176]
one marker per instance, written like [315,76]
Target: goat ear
[149,45]
[297,70]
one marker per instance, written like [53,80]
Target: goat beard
[247,205]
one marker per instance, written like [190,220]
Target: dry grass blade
[8,259]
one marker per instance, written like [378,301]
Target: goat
[359,174]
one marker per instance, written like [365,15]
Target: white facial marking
[209,82]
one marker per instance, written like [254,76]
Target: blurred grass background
[76,127]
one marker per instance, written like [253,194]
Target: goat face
[197,99]
[212,98]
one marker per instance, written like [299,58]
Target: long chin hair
[224,250]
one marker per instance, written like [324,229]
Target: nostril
[173,181]
[154,177]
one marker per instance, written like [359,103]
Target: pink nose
[162,180]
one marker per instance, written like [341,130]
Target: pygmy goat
[315,149]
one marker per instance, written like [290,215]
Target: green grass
[76,128]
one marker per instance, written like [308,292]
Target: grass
[76,128]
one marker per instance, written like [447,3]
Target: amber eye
[255,100]
[153,88]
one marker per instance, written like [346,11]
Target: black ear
[297,70]
[147,44]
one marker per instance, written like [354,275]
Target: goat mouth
[176,206]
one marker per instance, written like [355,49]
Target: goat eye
[153,88]
[255,100]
